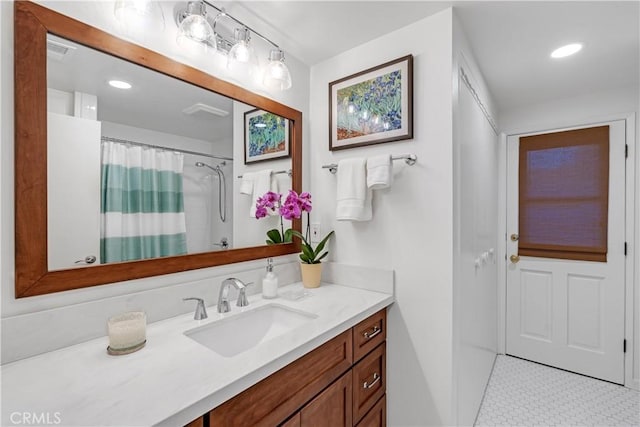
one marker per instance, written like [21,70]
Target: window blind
[564,194]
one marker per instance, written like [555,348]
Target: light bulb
[196,28]
[277,75]
[566,50]
[242,58]
[139,15]
[240,52]
[123,9]
[195,34]
[119,84]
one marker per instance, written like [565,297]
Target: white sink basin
[241,332]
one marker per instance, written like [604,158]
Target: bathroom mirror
[141,165]
[76,135]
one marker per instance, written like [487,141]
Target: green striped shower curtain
[142,203]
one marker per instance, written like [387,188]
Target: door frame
[632,209]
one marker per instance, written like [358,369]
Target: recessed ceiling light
[119,84]
[567,50]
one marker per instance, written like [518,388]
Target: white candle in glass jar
[127,330]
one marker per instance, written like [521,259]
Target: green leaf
[319,249]
[298,234]
[322,243]
[323,255]
[274,235]
[304,259]
[288,235]
[308,253]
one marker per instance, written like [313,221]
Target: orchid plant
[291,208]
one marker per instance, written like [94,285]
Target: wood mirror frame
[32,23]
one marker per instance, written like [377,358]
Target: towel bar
[288,172]
[409,159]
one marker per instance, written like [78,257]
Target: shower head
[204,165]
[217,168]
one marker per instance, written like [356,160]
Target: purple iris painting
[372,106]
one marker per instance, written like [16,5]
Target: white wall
[582,109]
[475,235]
[589,108]
[100,14]
[412,226]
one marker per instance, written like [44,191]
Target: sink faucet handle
[201,311]
[242,296]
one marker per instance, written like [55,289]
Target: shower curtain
[142,203]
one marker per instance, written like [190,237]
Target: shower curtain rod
[195,153]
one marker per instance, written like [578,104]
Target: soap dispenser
[270,282]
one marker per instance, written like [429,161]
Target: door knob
[515,237]
[514,259]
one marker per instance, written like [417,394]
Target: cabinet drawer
[377,416]
[275,398]
[369,333]
[369,381]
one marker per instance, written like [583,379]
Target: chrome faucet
[223,297]
[201,311]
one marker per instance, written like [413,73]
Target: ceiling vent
[204,108]
[59,51]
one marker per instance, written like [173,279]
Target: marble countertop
[174,379]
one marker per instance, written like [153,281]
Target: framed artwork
[266,136]
[372,106]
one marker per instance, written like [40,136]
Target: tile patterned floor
[522,393]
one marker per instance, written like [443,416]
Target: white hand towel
[246,183]
[353,196]
[261,184]
[379,172]
[275,187]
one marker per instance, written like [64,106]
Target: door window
[564,194]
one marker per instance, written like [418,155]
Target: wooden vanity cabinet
[369,382]
[377,416]
[340,383]
[369,334]
[330,408]
[199,422]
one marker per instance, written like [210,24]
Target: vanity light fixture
[566,50]
[139,14]
[119,84]
[240,53]
[195,26]
[277,75]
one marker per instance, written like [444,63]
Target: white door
[73,191]
[567,313]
